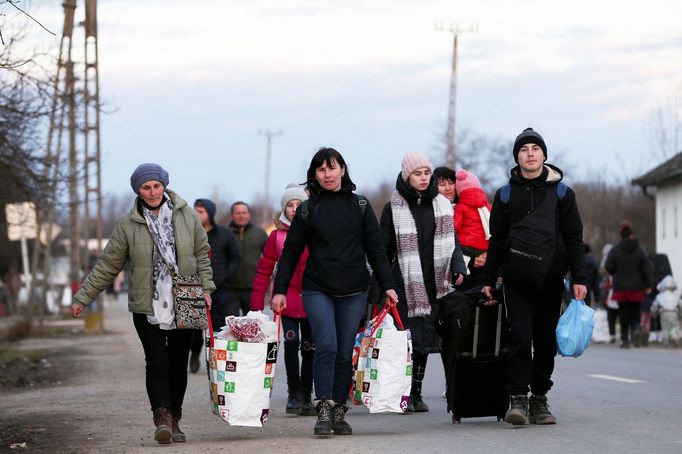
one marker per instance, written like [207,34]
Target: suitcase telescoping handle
[498,330]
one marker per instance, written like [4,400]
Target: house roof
[670,170]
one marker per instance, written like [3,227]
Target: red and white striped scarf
[407,244]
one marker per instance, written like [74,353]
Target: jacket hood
[550,174]
[628,244]
[668,283]
[210,209]
[412,195]
[178,203]
[474,197]
[280,221]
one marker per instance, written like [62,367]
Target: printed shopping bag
[574,330]
[383,374]
[241,376]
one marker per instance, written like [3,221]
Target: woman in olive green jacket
[160,235]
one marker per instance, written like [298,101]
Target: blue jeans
[334,321]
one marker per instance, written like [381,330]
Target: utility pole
[91,156]
[451,152]
[67,109]
[269,134]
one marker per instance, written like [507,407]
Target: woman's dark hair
[444,173]
[326,156]
[625,230]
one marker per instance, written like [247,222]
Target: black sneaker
[339,424]
[518,410]
[538,410]
[323,426]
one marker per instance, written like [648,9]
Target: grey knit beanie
[293,192]
[527,136]
[148,172]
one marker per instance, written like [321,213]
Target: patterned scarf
[161,230]
[407,243]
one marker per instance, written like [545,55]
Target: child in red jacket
[294,319]
[472,213]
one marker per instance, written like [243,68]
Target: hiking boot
[418,403]
[178,435]
[538,410]
[323,426]
[194,363]
[339,424]
[625,344]
[162,421]
[294,399]
[307,407]
[518,410]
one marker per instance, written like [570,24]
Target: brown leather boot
[163,422]
[178,435]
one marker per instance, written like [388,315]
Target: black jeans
[165,354]
[220,300]
[612,315]
[297,335]
[533,317]
[628,313]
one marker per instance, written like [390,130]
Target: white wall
[669,225]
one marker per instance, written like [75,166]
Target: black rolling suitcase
[474,341]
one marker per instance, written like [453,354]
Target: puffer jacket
[668,298]
[266,265]
[468,223]
[131,243]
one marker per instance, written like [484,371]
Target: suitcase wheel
[456,420]
[500,418]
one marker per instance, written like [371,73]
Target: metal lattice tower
[75,119]
[450,154]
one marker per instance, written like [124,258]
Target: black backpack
[532,241]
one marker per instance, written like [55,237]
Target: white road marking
[614,378]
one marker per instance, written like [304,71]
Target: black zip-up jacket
[338,237]
[525,196]
[225,255]
[421,207]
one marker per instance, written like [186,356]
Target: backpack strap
[304,210]
[362,202]
[505,192]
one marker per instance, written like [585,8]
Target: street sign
[21,221]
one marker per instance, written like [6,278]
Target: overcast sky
[190,83]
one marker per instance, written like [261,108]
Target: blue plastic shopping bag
[574,331]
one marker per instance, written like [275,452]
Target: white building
[664,183]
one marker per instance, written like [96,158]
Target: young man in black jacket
[536,237]
[225,258]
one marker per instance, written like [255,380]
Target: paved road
[609,400]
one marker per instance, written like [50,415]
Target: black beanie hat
[528,136]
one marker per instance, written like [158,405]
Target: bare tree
[666,128]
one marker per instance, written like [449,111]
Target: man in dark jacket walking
[536,237]
[225,258]
[251,240]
